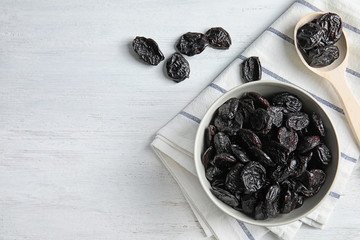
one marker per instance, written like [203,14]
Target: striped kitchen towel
[275,47]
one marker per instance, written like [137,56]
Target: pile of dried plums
[190,43]
[264,156]
[316,40]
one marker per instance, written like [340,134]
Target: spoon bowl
[335,74]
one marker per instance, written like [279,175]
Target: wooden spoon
[335,74]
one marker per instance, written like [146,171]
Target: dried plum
[218,38]
[309,36]
[191,43]
[307,143]
[288,138]
[290,102]
[276,114]
[253,176]
[209,134]
[297,120]
[251,69]
[261,121]
[224,161]
[148,50]
[228,109]
[332,26]
[208,156]
[323,153]
[225,196]
[239,153]
[233,179]
[317,124]
[322,56]
[249,138]
[178,67]
[222,143]
[261,157]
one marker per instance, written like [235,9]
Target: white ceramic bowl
[267,88]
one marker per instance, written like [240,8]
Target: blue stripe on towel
[246,230]
[346,157]
[334,195]
[217,87]
[192,117]
[280,34]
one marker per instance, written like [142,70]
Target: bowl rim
[197,155]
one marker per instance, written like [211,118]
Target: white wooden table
[78,112]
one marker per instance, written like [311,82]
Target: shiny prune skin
[309,36]
[288,138]
[251,69]
[191,43]
[177,67]
[332,26]
[297,120]
[225,196]
[208,156]
[308,143]
[233,179]
[148,50]
[222,143]
[289,101]
[228,109]
[253,176]
[261,120]
[322,56]
[218,38]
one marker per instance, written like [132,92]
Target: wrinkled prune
[249,138]
[178,67]
[233,179]
[208,156]
[290,102]
[251,69]
[225,196]
[323,153]
[253,176]
[261,120]
[322,56]
[224,161]
[309,36]
[288,138]
[308,143]
[265,157]
[209,134]
[318,124]
[191,43]
[297,120]
[261,157]
[148,50]
[222,143]
[276,114]
[332,27]
[239,153]
[218,38]
[228,109]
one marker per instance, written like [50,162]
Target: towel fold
[174,142]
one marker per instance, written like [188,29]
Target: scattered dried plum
[178,67]
[251,69]
[265,157]
[191,43]
[148,50]
[218,38]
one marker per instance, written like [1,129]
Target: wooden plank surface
[78,112]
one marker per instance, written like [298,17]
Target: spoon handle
[350,104]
